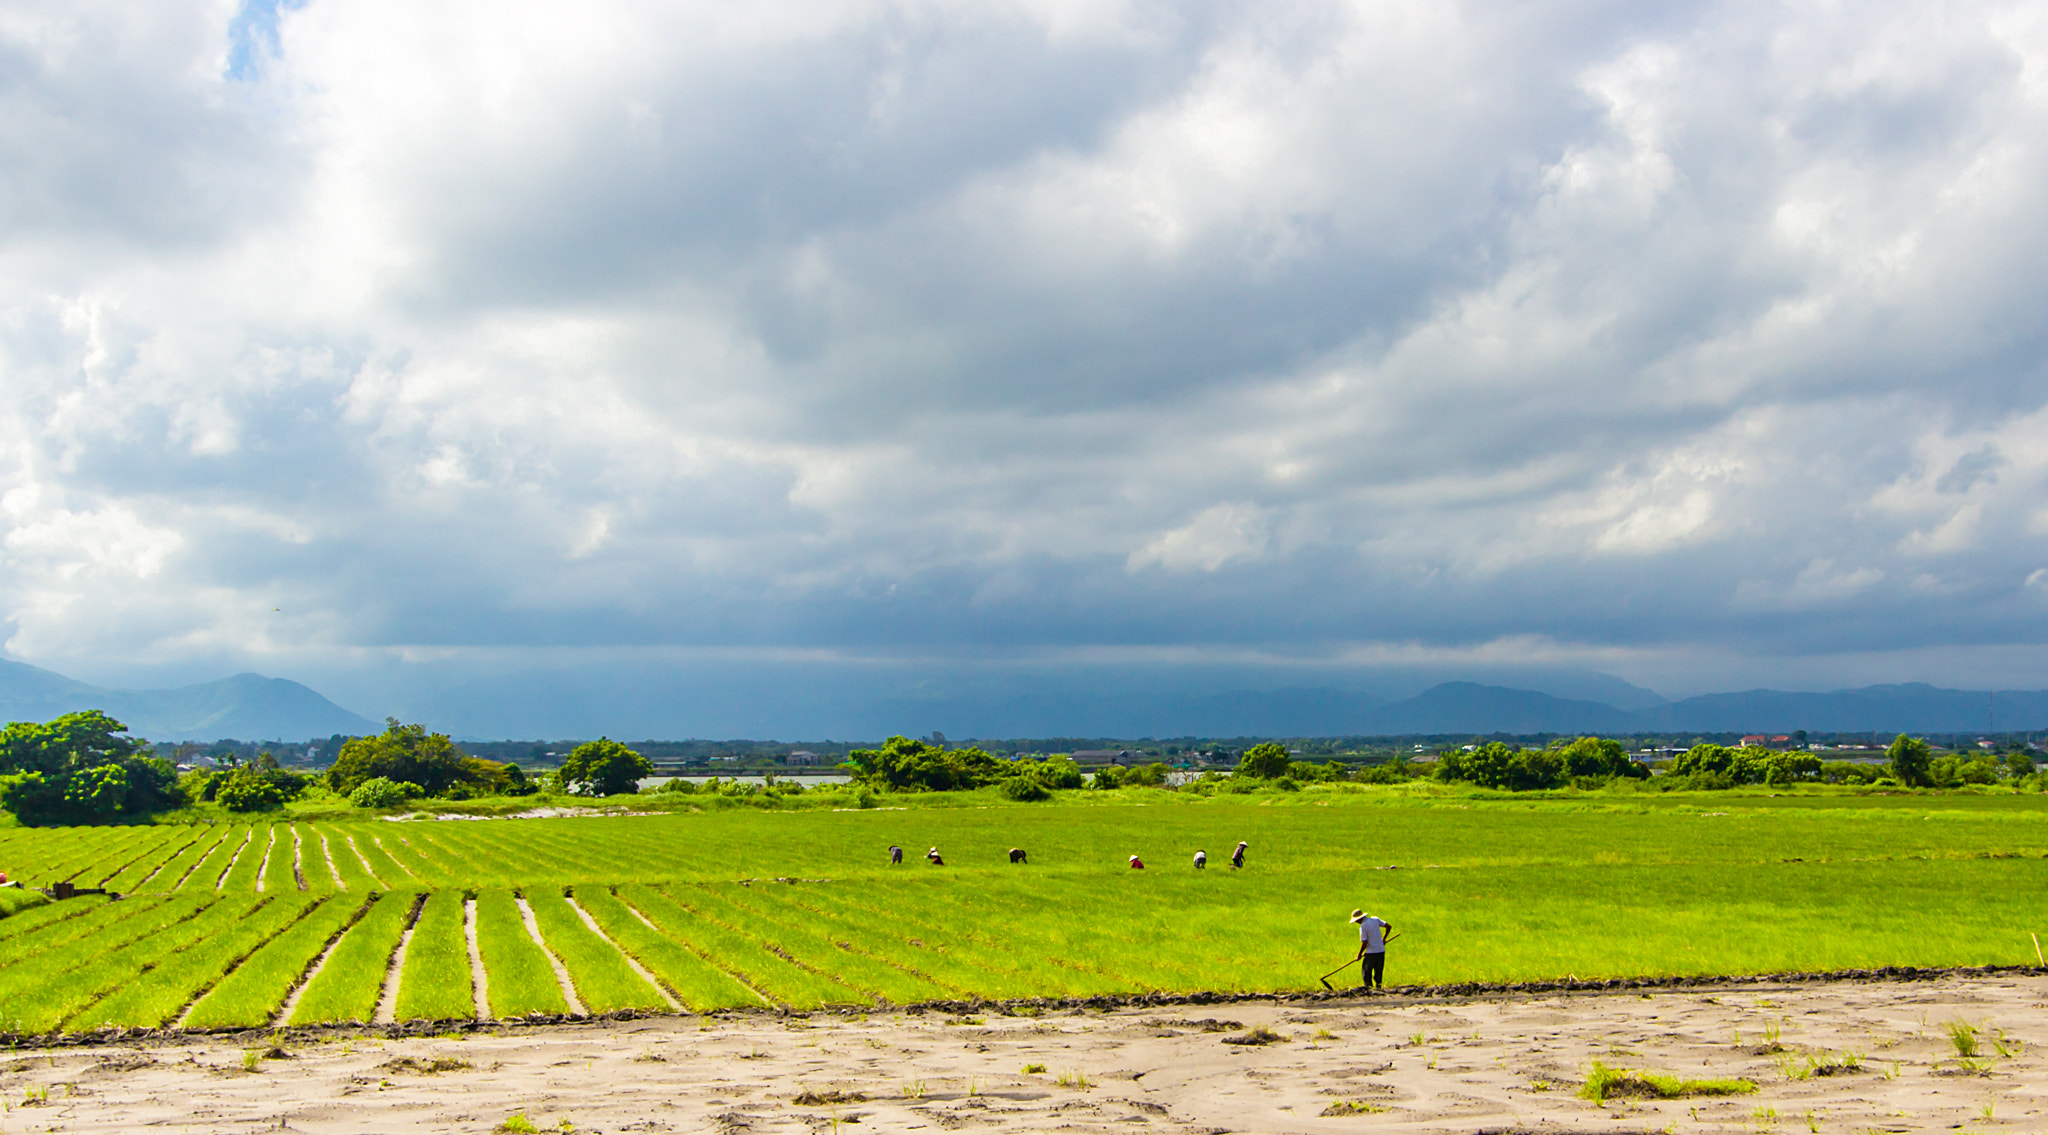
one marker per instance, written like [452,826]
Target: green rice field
[251,925]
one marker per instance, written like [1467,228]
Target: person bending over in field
[1137,864]
[1372,949]
[895,856]
[1237,857]
[1016,855]
[1201,860]
[934,858]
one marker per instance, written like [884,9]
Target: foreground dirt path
[1505,1064]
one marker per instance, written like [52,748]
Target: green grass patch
[1604,1083]
[435,983]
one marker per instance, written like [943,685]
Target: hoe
[1325,979]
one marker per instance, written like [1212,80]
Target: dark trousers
[1372,972]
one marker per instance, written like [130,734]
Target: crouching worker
[1137,864]
[1201,860]
[1237,857]
[895,856]
[1016,855]
[932,857]
[1372,949]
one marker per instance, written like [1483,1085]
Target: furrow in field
[349,983]
[248,837]
[383,869]
[201,875]
[695,981]
[252,993]
[479,981]
[277,861]
[263,863]
[161,995]
[299,857]
[646,974]
[391,851]
[241,878]
[345,874]
[435,983]
[355,853]
[803,945]
[521,978]
[561,971]
[387,992]
[416,863]
[173,869]
[604,982]
[760,967]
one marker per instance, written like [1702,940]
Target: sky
[398,347]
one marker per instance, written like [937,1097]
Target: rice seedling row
[205,875]
[415,868]
[102,925]
[241,877]
[251,995]
[697,983]
[789,935]
[120,861]
[40,993]
[95,846]
[173,870]
[341,868]
[435,983]
[519,978]
[600,975]
[349,984]
[14,900]
[759,967]
[128,967]
[178,841]
[276,876]
[156,998]
[964,965]
[383,868]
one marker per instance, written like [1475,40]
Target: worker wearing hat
[1372,949]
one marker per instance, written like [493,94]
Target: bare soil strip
[479,981]
[561,972]
[291,1000]
[387,1001]
[645,975]
[263,868]
[220,881]
[1390,1064]
[298,857]
[333,871]
[364,860]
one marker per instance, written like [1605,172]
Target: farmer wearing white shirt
[1372,948]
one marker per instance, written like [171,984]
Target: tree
[1600,758]
[401,752]
[1267,761]
[904,765]
[81,768]
[1912,761]
[604,768]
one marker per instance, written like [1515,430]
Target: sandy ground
[1497,1064]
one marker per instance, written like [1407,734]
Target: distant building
[804,757]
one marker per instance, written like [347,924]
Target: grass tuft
[1604,1083]
[1353,1107]
[1259,1035]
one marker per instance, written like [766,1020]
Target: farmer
[932,857]
[1016,855]
[1201,860]
[1237,857]
[895,856]
[1137,864]
[1372,949]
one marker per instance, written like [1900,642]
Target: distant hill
[1914,707]
[1467,707]
[249,707]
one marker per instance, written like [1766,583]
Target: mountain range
[247,706]
[254,707]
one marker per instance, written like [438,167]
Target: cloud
[882,326]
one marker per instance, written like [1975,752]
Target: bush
[604,768]
[249,791]
[1025,788]
[904,765]
[1268,761]
[383,792]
